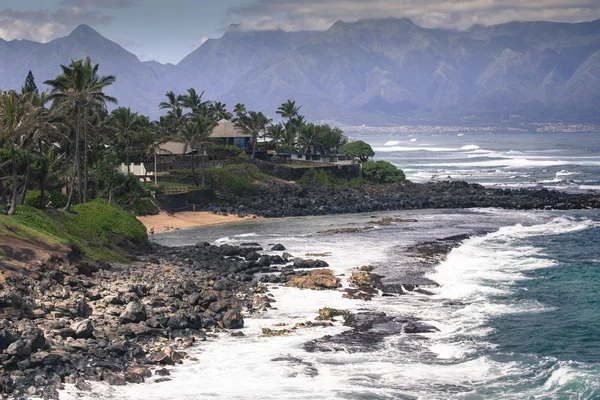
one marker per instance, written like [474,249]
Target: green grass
[90,228]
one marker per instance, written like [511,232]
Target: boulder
[83,329]
[178,322]
[134,313]
[319,279]
[233,319]
[19,348]
[278,247]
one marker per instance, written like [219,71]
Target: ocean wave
[470,147]
[392,143]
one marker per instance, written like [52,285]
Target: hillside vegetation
[92,231]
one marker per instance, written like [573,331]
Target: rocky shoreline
[78,322]
[277,199]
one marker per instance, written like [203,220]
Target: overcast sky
[168,30]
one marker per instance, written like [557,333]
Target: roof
[173,148]
[227,129]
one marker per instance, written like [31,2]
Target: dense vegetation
[67,139]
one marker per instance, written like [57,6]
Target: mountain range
[373,72]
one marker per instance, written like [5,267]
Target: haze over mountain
[374,72]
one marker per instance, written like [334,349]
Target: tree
[127,125]
[219,112]
[193,101]
[205,127]
[253,124]
[308,138]
[289,110]
[30,86]
[77,87]
[277,133]
[95,104]
[239,110]
[331,139]
[358,149]
[15,114]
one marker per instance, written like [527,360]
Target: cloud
[202,40]
[297,15]
[100,3]
[43,25]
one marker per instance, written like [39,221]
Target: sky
[168,30]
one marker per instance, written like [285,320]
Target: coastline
[163,222]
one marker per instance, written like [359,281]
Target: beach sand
[186,220]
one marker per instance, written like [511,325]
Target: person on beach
[152,231]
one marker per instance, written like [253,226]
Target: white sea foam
[392,143]
[470,147]
[413,140]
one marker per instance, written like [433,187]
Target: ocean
[516,304]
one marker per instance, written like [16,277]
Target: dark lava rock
[233,319]
[134,313]
[369,331]
[178,322]
[278,247]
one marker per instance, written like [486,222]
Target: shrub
[58,199]
[319,178]
[222,152]
[144,206]
[382,172]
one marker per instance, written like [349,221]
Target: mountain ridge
[387,71]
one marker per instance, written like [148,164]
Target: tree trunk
[42,199]
[127,155]
[193,168]
[254,146]
[24,193]
[202,166]
[85,156]
[75,162]
[13,200]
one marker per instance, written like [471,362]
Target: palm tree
[15,114]
[193,101]
[289,110]
[308,138]
[96,103]
[78,87]
[219,112]
[239,110]
[277,133]
[197,133]
[292,130]
[253,124]
[43,127]
[127,126]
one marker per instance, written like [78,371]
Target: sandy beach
[186,220]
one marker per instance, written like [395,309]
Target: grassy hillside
[92,229]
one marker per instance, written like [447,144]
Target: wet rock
[309,264]
[278,247]
[320,279]
[233,319]
[162,372]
